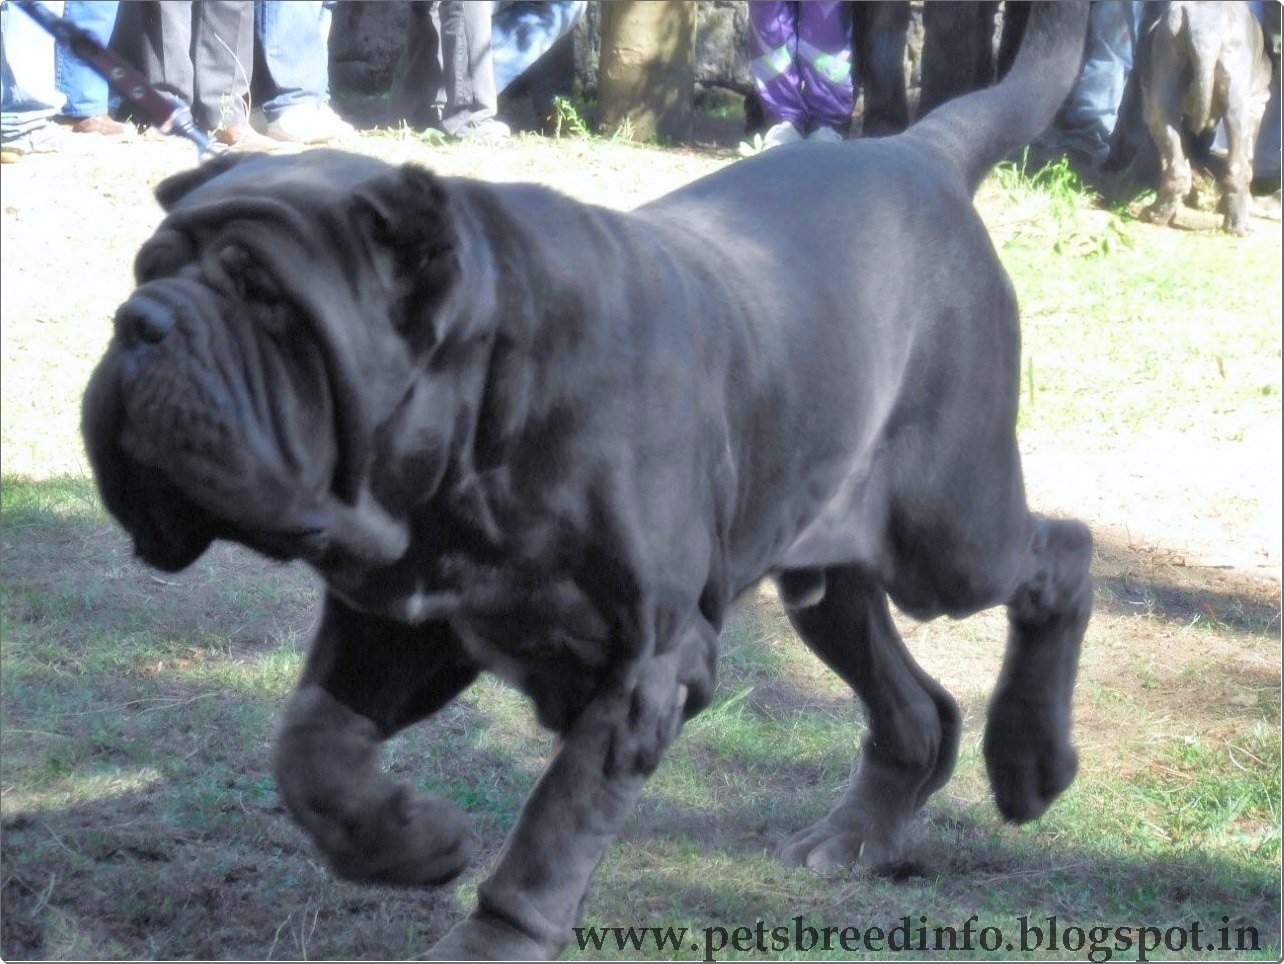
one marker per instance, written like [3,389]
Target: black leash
[169,114]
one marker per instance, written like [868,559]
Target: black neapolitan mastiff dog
[521,434]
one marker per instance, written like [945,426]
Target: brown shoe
[98,124]
[243,137]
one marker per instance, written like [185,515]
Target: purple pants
[801,58]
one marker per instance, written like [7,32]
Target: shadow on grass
[1132,581]
[963,867]
[141,821]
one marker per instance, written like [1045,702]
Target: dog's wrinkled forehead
[318,179]
[263,205]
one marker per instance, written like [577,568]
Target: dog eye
[251,279]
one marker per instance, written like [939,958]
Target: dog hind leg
[365,679]
[913,736]
[1027,747]
[1243,119]
[1163,112]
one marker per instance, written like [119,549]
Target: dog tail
[976,131]
[1200,38]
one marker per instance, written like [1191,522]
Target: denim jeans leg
[1090,113]
[292,38]
[87,93]
[28,95]
[523,32]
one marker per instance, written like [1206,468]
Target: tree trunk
[646,79]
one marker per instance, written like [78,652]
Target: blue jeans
[1090,113]
[523,32]
[28,95]
[87,93]
[293,37]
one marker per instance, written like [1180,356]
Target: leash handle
[169,114]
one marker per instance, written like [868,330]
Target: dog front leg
[365,679]
[1028,753]
[526,910]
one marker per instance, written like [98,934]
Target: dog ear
[177,186]
[408,213]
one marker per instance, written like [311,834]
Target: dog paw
[829,849]
[1161,212]
[1029,760]
[479,937]
[409,841]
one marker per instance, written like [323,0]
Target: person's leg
[294,54]
[523,32]
[880,31]
[471,100]
[418,94]
[825,64]
[1089,115]
[958,51]
[222,56]
[773,51]
[87,93]
[292,41]
[28,95]
[165,47]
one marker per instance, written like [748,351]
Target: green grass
[137,709]
[1121,336]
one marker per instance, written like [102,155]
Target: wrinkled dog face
[227,404]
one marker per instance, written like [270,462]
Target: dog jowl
[519,434]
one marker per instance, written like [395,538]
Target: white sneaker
[309,124]
[826,135]
[489,129]
[782,133]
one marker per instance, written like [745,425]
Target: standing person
[29,97]
[295,83]
[801,59]
[202,51]
[88,97]
[468,71]
[1087,119]
[462,56]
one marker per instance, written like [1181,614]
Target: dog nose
[145,318]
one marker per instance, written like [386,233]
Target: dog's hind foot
[370,828]
[1162,211]
[867,827]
